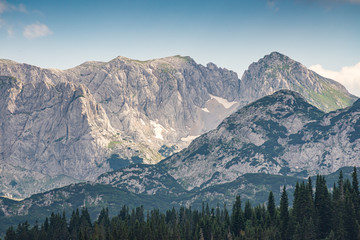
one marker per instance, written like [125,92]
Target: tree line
[316,213]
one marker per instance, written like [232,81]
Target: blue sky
[230,33]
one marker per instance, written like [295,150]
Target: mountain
[277,71]
[63,126]
[95,196]
[59,127]
[278,134]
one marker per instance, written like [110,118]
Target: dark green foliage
[202,150]
[237,219]
[284,214]
[322,208]
[325,216]
[271,206]
[116,162]
[167,151]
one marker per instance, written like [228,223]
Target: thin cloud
[272,4]
[7,7]
[347,76]
[329,3]
[36,30]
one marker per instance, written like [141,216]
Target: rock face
[276,71]
[160,101]
[67,126]
[52,131]
[278,134]
[74,125]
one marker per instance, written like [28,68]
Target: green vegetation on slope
[316,214]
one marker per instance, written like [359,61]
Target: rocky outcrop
[142,179]
[278,134]
[277,71]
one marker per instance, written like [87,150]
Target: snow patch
[179,96]
[205,110]
[189,138]
[158,128]
[142,122]
[223,101]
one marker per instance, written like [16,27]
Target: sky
[324,35]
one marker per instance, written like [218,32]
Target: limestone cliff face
[52,130]
[160,101]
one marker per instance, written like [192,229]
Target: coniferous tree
[247,211]
[271,206]
[284,213]
[307,220]
[350,221]
[10,234]
[356,194]
[237,219]
[323,208]
[74,225]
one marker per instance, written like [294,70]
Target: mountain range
[65,126]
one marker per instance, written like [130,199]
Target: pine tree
[284,213]
[271,206]
[338,203]
[85,227]
[237,219]
[10,234]
[323,208]
[247,211]
[356,194]
[350,221]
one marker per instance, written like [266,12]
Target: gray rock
[278,134]
[67,125]
[277,71]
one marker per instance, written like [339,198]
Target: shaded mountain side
[278,134]
[254,187]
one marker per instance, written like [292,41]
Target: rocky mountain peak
[277,71]
[273,56]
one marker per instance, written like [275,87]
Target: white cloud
[36,30]
[7,7]
[347,76]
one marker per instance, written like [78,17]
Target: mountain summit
[277,71]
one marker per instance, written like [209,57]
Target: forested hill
[317,213]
